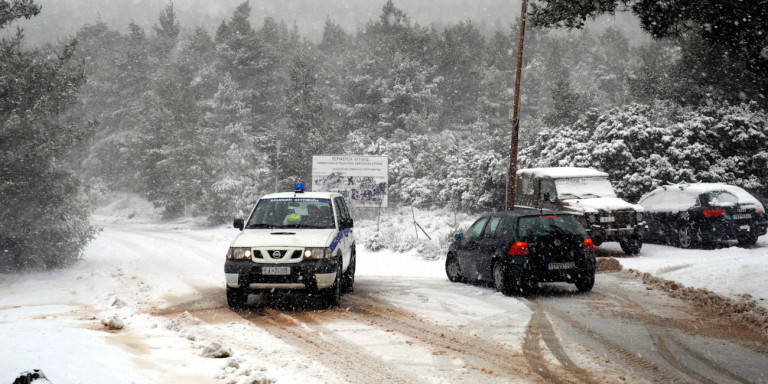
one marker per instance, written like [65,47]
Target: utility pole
[277,165]
[514,117]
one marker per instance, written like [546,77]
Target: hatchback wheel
[500,280]
[452,269]
[585,283]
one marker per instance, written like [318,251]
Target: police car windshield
[292,213]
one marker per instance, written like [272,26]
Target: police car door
[347,239]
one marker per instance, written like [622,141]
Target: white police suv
[293,241]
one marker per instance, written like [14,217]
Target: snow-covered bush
[396,229]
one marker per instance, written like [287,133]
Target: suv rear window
[292,213]
[549,224]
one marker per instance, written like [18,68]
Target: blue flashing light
[298,188]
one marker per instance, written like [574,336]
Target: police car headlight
[239,253]
[317,253]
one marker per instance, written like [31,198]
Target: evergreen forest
[203,123]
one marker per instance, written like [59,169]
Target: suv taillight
[589,246]
[518,248]
[714,212]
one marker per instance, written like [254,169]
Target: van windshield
[584,188]
[292,213]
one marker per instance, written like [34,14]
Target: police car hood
[289,237]
[597,204]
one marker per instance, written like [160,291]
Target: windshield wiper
[258,226]
[569,196]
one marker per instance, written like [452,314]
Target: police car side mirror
[458,236]
[239,224]
[346,223]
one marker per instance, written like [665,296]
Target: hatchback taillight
[714,212]
[589,246]
[518,248]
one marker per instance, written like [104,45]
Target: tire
[332,295]
[686,237]
[747,241]
[452,269]
[236,297]
[500,280]
[348,278]
[631,245]
[585,284]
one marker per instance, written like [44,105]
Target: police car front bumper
[306,275]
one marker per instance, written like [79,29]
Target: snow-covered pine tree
[44,208]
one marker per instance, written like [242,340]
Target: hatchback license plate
[275,270]
[742,216]
[556,266]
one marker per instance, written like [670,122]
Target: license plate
[275,270]
[742,216]
[557,266]
[745,228]
[607,219]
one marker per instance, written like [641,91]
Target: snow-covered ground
[105,320]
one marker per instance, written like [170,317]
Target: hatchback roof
[529,211]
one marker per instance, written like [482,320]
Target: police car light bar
[298,188]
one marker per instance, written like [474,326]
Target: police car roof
[305,195]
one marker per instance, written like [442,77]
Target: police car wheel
[348,278]
[236,297]
[333,294]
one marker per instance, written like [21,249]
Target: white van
[293,241]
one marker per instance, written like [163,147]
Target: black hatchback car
[690,215]
[516,249]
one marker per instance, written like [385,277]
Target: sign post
[362,180]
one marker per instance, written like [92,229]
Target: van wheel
[348,279]
[631,245]
[236,297]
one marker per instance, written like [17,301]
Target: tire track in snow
[482,356]
[664,340]
[540,329]
[344,358]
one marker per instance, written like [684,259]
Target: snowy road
[405,323]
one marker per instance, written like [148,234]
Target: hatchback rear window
[549,224]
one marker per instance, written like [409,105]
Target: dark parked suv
[517,249]
[690,215]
